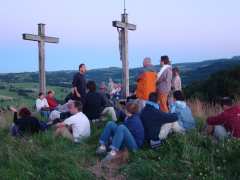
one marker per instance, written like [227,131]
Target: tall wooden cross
[41,39]
[123,27]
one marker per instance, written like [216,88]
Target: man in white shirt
[75,128]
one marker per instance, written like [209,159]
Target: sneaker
[111,156]
[101,150]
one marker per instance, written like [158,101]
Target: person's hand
[78,95]
[12,109]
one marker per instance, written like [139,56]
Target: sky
[186,30]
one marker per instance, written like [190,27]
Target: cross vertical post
[124,26]
[41,38]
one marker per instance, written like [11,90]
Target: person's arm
[15,117]
[216,120]
[167,117]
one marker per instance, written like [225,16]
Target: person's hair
[24,112]
[78,105]
[176,69]
[226,101]
[40,94]
[178,95]
[81,65]
[132,107]
[91,86]
[165,59]
[153,97]
[50,92]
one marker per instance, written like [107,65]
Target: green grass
[183,157]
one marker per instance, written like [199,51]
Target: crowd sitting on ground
[157,109]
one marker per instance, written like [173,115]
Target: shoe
[101,151]
[108,158]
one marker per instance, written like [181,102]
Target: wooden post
[41,39]
[123,40]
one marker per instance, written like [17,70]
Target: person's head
[153,97]
[226,102]
[165,60]
[75,107]
[175,71]
[147,62]
[178,96]
[51,93]
[91,86]
[132,108]
[82,68]
[24,112]
[41,96]
[103,87]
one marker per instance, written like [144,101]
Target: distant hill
[190,72]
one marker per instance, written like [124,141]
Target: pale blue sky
[186,30]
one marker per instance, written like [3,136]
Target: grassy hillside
[190,73]
[183,157]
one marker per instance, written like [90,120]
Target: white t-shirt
[41,103]
[80,125]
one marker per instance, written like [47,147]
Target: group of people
[158,109]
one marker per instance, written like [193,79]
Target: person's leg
[54,115]
[45,115]
[163,100]
[108,132]
[123,137]
[64,132]
[109,111]
[220,132]
[165,130]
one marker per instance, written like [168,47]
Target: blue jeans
[45,115]
[121,137]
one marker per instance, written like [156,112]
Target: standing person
[227,123]
[43,106]
[164,83]
[128,135]
[146,82]
[76,127]
[176,80]
[79,84]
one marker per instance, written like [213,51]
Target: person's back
[230,119]
[184,113]
[153,119]
[146,83]
[94,105]
[28,125]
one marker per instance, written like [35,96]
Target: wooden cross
[41,39]
[124,26]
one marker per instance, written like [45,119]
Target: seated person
[184,113]
[76,127]
[52,102]
[95,106]
[25,124]
[154,119]
[128,135]
[42,106]
[227,123]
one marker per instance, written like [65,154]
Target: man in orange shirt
[146,82]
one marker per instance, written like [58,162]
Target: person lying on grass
[154,119]
[227,123]
[76,127]
[25,124]
[128,135]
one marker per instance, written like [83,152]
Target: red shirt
[52,102]
[230,119]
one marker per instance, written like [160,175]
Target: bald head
[147,62]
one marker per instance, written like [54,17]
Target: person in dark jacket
[79,84]
[25,123]
[128,135]
[95,106]
[153,119]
